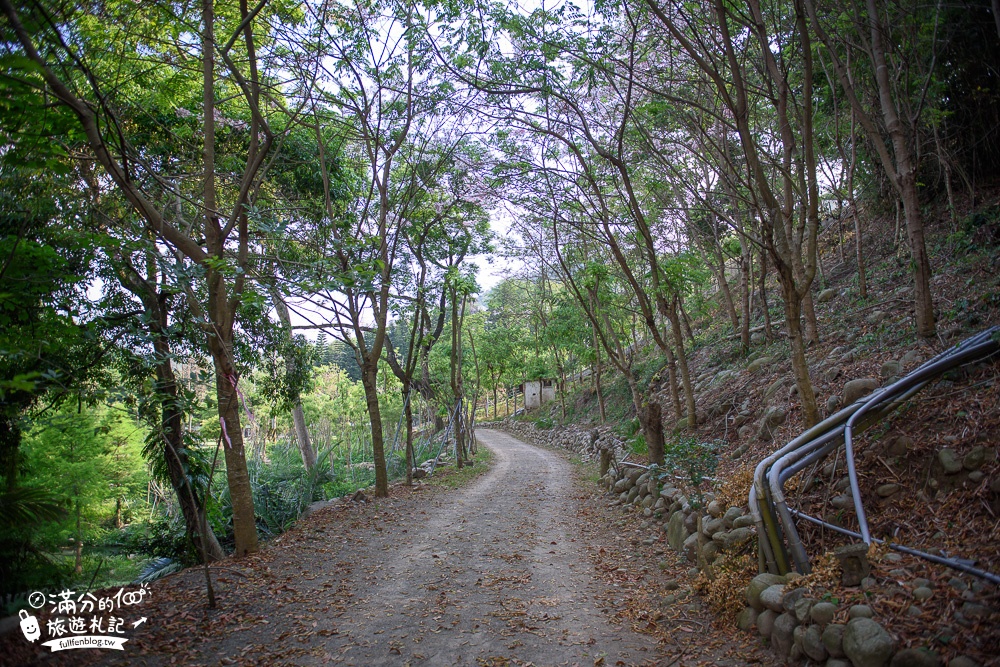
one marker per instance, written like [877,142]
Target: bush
[545,423]
[161,537]
[692,459]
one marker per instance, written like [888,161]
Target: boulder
[975,459]
[855,389]
[746,619]
[891,369]
[866,643]
[915,657]
[860,611]
[791,597]
[773,418]
[733,538]
[812,644]
[886,490]
[826,295]
[690,548]
[715,509]
[949,461]
[854,563]
[771,596]
[730,516]
[759,363]
[781,634]
[833,639]
[711,527]
[962,661]
[874,318]
[676,532]
[765,622]
[311,508]
[822,613]
[774,388]
[758,585]
[801,609]
[900,446]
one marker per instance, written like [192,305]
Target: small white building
[539,392]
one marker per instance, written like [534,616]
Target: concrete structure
[538,392]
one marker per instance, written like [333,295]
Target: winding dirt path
[496,571]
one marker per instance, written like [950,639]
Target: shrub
[693,460]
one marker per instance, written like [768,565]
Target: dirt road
[495,571]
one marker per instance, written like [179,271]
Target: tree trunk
[762,288]
[298,417]
[809,319]
[78,568]
[906,177]
[675,326]
[800,368]
[237,475]
[673,385]
[369,380]
[685,320]
[302,435]
[647,410]
[409,454]
[745,261]
[175,455]
[727,293]
[862,274]
[597,380]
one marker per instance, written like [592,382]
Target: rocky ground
[527,565]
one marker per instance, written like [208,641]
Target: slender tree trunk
[675,326]
[685,320]
[800,368]
[727,293]
[369,381]
[858,244]
[597,378]
[78,568]
[220,339]
[298,417]
[673,385]
[411,459]
[175,454]
[745,263]
[768,330]
[809,319]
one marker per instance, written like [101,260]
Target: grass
[451,477]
